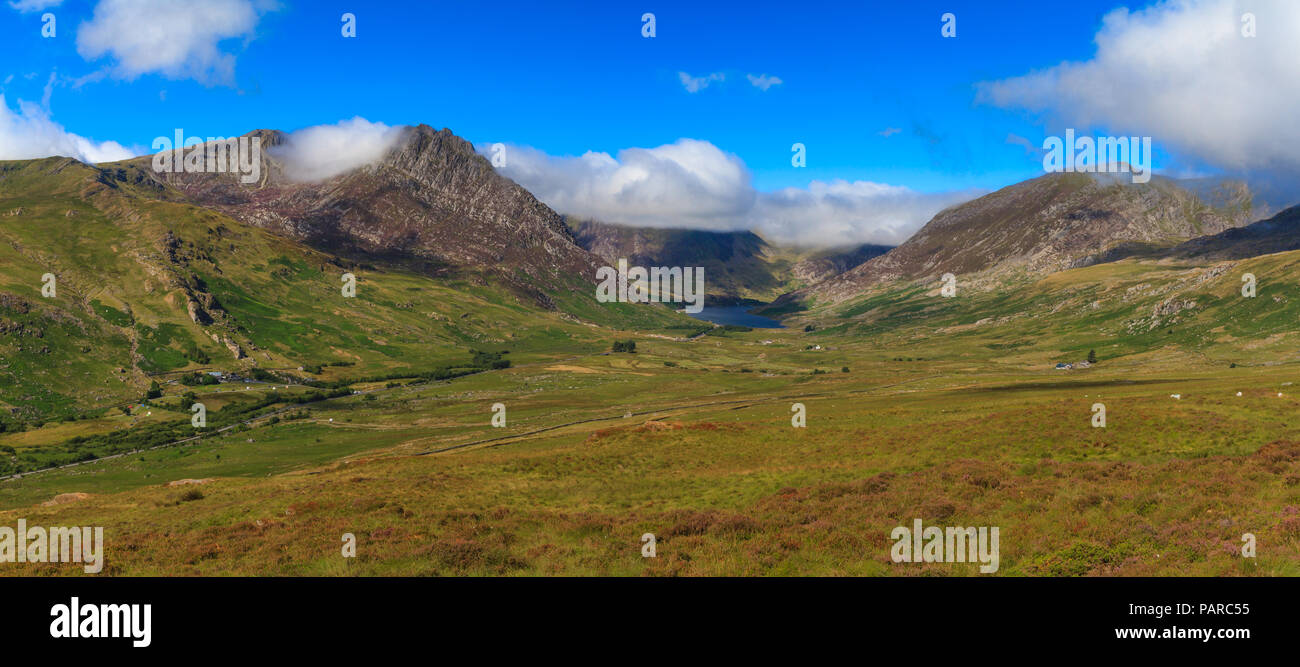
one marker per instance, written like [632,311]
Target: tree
[154,390]
[1092,356]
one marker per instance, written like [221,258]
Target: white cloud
[34,5]
[1182,73]
[687,183]
[694,84]
[889,132]
[48,91]
[763,82]
[177,39]
[1014,139]
[842,213]
[29,133]
[692,184]
[323,151]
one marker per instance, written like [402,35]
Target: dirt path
[688,408]
[486,442]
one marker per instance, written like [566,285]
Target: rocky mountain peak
[1046,224]
[431,198]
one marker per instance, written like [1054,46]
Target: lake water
[738,315]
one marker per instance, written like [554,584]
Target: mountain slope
[823,264]
[431,200]
[151,284]
[1040,226]
[1279,233]
[738,266]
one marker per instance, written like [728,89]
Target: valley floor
[692,441]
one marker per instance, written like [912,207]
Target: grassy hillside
[692,440]
[150,289]
[1124,310]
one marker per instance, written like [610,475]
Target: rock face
[825,264]
[1277,234]
[431,201]
[677,247]
[1050,223]
[736,264]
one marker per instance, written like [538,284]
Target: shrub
[263,375]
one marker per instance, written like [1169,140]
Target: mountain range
[741,266]
[163,273]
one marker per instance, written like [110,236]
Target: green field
[600,448]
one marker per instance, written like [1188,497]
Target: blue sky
[581,77]
[872,89]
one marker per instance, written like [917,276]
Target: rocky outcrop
[431,199]
[1048,224]
[736,264]
[828,263]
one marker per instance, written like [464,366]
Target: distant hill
[739,266]
[823,264]
[1047,224]
[1267,197]
[1279,233]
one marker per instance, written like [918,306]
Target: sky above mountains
[692,127]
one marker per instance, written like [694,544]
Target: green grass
[129,262]
[710,464]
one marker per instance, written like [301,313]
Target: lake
[738,315]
